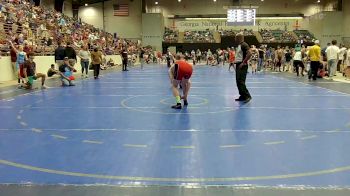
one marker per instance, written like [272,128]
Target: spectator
[315,58]
[52,71]
[13,63]
[96,58]
[84,55]
[347,70]
[30,74]
[59,54]
[125,59]
[254,58]
[332,58]
[67,77]
[71,54]
[27,49]
[341,58]
[288,58]
[21,57]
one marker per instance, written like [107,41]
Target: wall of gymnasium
[327,26]
[126,27]
[67,8]
[152,30]
[346,21]
[194,7]
[48,3]
[92,14]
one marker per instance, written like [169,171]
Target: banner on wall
[282,24]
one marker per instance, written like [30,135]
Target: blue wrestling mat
[120,130]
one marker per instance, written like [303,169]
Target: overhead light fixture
[319,1]
[156,2]
[179,1]
[86,4]
[214,0]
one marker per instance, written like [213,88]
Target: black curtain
[36,2]
[59,5]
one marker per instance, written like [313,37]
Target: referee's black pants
[241,76]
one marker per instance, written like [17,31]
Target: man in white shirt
[209,55]
[298,61]
[341,62]
[332,58]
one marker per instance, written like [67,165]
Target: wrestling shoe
[177,106]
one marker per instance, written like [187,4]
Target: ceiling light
[156,2]
[86,4]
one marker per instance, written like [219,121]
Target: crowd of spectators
[225,33]
[283,36]
[305,36]
[42,28]
[276,36]
[267,36]
[170,35]
[246,32]
[199,37]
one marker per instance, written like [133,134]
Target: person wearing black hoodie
[71,54]
[59,54]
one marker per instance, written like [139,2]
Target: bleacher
[43,28]
[277,36]
[199,37]
[304,35]
[170,36]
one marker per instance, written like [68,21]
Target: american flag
[121,10]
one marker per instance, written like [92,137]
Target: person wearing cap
[180,74]
[315,58]
[29,73]
[242,56]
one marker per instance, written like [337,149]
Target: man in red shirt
[180,73]
[231,58]
[13,54]
[27,49]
